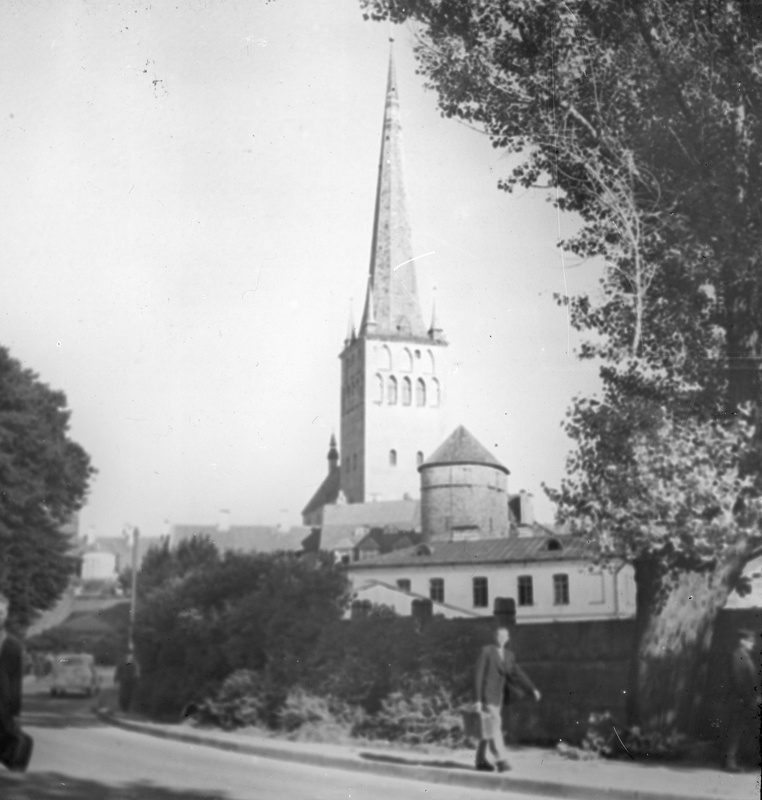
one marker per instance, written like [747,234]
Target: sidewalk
[535,770]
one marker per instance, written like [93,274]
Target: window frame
[480,591]
[561,593]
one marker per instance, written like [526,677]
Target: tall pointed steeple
[393,298]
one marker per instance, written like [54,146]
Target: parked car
[74,672]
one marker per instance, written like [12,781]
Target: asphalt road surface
[77,757]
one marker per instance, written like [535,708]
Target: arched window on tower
[384,357]
[406,361]
[407,392]
[420,392]
[429,363]
[391,391]
[379,394]
[419,458]
[436,393]
[392,458]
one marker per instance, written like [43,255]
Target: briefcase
[477,724]
[16,751]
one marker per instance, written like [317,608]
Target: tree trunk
[675,622]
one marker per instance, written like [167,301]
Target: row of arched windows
[393,391]
[406,360]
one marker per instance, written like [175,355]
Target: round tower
[464,491]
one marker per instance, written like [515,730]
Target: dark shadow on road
[56,786]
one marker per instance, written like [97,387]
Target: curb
[409,769]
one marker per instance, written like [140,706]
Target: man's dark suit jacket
[10,682]
[493,674]
[744,676]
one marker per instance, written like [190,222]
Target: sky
[187,209]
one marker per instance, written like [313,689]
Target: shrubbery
[259,640]
[607,738]
[421,711]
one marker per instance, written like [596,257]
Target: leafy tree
[201,616]
[44,477]
[643,117]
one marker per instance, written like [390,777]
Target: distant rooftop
[484,551]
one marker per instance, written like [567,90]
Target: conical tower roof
[394,300]
[461,447]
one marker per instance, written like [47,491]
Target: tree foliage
[44,477]
[643,118]
[201,616]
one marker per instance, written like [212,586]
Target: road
[79,758]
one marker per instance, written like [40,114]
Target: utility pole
[131,532]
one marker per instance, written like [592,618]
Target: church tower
[393,369]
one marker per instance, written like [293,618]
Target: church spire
[393,295]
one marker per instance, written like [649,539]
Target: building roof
[244,538]
[461,447]
[484,551]
[327,493]
[395,591]
[345,525]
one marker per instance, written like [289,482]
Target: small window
[406,361]
[435,399]
[379,398]
[384,358]
[525,590]
[404,584]
[554,544]
[420,392]
[561,590]
[430,364]
[481,593]
[391,391]
[407,392]
[392,458]
[436,590]
[419,458]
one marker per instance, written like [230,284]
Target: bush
[308,717]
[421,712]
[607,738]
[241,701]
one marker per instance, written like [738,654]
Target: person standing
[127,677]
[11,660]
[497,668]
[744,682]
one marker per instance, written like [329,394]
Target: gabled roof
[327,493]
[461,447]
[484,551]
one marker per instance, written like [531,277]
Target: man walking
[10,678]
[496,668]
[744,681]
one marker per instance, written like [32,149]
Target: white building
[551,578]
